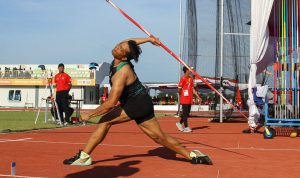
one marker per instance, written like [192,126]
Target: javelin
[175,56]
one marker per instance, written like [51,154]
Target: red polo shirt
[63,82]
[187,85]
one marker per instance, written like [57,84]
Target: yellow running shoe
[200,158]
[77,160]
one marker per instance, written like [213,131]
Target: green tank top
[134,89]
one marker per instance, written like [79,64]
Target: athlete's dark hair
[184,69]
[135,51]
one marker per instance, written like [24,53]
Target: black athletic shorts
[139,108]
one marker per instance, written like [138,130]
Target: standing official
[63,85]
[186,91]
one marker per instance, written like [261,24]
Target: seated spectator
[171,101]
[163,101]
[155,100]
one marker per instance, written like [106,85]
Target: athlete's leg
[115,116]
[152,129]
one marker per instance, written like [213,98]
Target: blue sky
[77,31]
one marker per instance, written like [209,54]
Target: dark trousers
[62,99]
[186,108]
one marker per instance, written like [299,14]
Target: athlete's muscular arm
[151,39]
[119,82]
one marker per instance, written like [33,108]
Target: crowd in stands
[22,72]
[15,72]
[170,100]
[167,100]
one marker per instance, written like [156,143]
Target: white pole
[221,57]
[180,49]
[180,38]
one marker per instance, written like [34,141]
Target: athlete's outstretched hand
[154,41]
[84,116]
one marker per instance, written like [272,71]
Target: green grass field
[15,121]
[11,121]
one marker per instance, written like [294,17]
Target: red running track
[127,152]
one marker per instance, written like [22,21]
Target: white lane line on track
[14,140]
[156,146]
[4,175]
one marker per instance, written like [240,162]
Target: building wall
[31,96]
[27,96]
